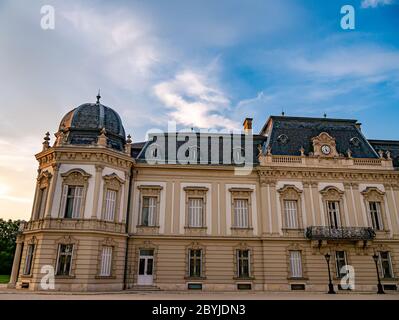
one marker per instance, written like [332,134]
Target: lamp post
[379,286]
[330,284]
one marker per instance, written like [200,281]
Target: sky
[200,63]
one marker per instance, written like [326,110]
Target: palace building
[217,212]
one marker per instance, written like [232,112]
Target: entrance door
[146,263]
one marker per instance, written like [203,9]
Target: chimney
[247,126]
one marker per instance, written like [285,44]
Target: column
[51,191]
[97,184]
[15,265]
[264,210]
[125,196]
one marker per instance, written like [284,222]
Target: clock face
[325,149]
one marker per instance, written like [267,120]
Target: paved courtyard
[8,294]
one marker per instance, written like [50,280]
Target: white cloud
[375,3]
[358,61]
[195,101]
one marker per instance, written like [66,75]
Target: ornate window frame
[195,246]
[383,247]
[348,258]
[302,249]
[332,193]
[149,191]
[43,183]
[115,183]
[74,177]
[373,194]
[197,192]
[31,241]
[241,194]
[107,242]
[291,193]
[243,246]
[67,239]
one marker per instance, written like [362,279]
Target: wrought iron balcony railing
[341,233]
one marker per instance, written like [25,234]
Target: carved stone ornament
[324,146]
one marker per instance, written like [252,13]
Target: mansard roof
[388,145]
[287,135]
[213,142]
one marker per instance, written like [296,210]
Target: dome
[84,124]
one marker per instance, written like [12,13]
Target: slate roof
[212,145]
[85,123]
[388,145]
[286,135]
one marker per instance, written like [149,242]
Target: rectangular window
[29,259]
[243,263]
[74,196]
[375,215]
[110,205]
[64,260]
[385,264]
[241,213]
[41,202]
[106,261]
[333,214]
[340,261]
[195,262]
[195,212]
[296,264]
[148,216]
[291,214]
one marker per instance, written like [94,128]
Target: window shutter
[63,200]
[77,202]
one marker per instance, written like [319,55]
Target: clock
[325,149]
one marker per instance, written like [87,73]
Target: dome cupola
[84,124]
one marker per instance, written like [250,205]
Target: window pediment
[113,181]
[75,176]
[373,194]
[44,179]
[290,192]
[332,193]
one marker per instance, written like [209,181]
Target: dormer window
[282,139]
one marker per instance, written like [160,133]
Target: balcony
[342,233]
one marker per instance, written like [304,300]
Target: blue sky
[199,63]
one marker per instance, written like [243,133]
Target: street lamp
[379,286]
[330,284]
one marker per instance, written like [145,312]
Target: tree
[8,235]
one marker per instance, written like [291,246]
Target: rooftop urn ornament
[128,146]
[260,151]
[381,153]
[349,153]
[269,150]
[302,151]
[102,138]
[388,154]
[46,139]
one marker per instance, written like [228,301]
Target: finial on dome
[98,97]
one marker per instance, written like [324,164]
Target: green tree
[8,235]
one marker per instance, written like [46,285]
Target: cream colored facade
[310,181]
